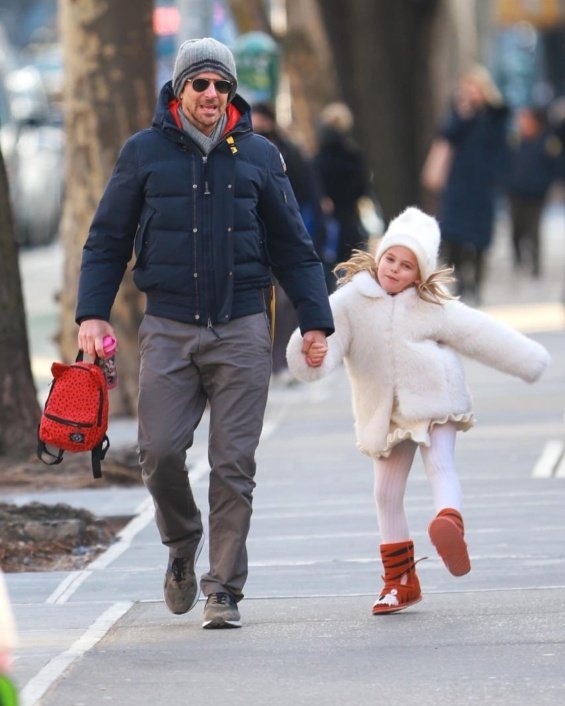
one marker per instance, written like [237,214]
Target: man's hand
[91,335]
[314,347]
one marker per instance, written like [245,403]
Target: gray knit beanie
[198,55]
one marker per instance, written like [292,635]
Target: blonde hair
[433,290]
[337,116]
[482,78]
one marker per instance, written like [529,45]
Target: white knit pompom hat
[415,230]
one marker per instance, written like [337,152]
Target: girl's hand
[316,355]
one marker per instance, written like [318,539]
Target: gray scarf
[204,142]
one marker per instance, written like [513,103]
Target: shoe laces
[178,569]
[220,599]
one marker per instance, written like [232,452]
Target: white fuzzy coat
[405,347]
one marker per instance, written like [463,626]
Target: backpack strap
[98,454]
[42,449]
[80,357]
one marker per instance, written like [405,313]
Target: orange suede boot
[447,533]
[402,588]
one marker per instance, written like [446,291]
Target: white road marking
[560,470]
[548,460]
[36,688]
[67,587]
[143,516]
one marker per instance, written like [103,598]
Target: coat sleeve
[481,337]
[338,346]
[293,258]
[109,245]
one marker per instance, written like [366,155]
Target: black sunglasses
[201,84]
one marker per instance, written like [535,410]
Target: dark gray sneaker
[220,612]
[181,586]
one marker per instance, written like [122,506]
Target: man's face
[204,109]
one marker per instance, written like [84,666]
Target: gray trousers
[182,368]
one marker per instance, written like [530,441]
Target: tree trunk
[384,53]
[249,15]
[19,408]
[109,95]
[309,63]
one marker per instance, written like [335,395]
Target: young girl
[399,332]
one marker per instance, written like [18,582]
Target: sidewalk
[493,637]
[528,303]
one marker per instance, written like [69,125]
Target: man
[209,211]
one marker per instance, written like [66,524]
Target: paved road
[495,636]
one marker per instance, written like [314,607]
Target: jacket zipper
[206,234]
[194,242]
[207,191]
[392,354]
[213,330]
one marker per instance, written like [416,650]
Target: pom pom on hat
[195,56]
[415,230]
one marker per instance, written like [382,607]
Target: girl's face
[397,269]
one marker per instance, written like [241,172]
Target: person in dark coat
[207,208]
[344,178]
[476,130]
[305,185]
[532,167]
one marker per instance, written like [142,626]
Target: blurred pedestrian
[400,332]
[303,180]
[475,128]
[207,207]
[7,634]
[532,167]
[344,178]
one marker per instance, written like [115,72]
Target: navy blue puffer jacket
[206,231]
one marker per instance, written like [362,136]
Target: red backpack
[75,416]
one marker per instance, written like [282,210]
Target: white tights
[391,475]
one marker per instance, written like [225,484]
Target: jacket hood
[239,112]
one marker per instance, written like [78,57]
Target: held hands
[314,348]
[91,335]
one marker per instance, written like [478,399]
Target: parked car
[37,181]
[8,131]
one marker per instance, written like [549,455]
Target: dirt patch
[38,537]
[120,467]
[41,537]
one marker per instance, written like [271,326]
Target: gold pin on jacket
[231,143]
